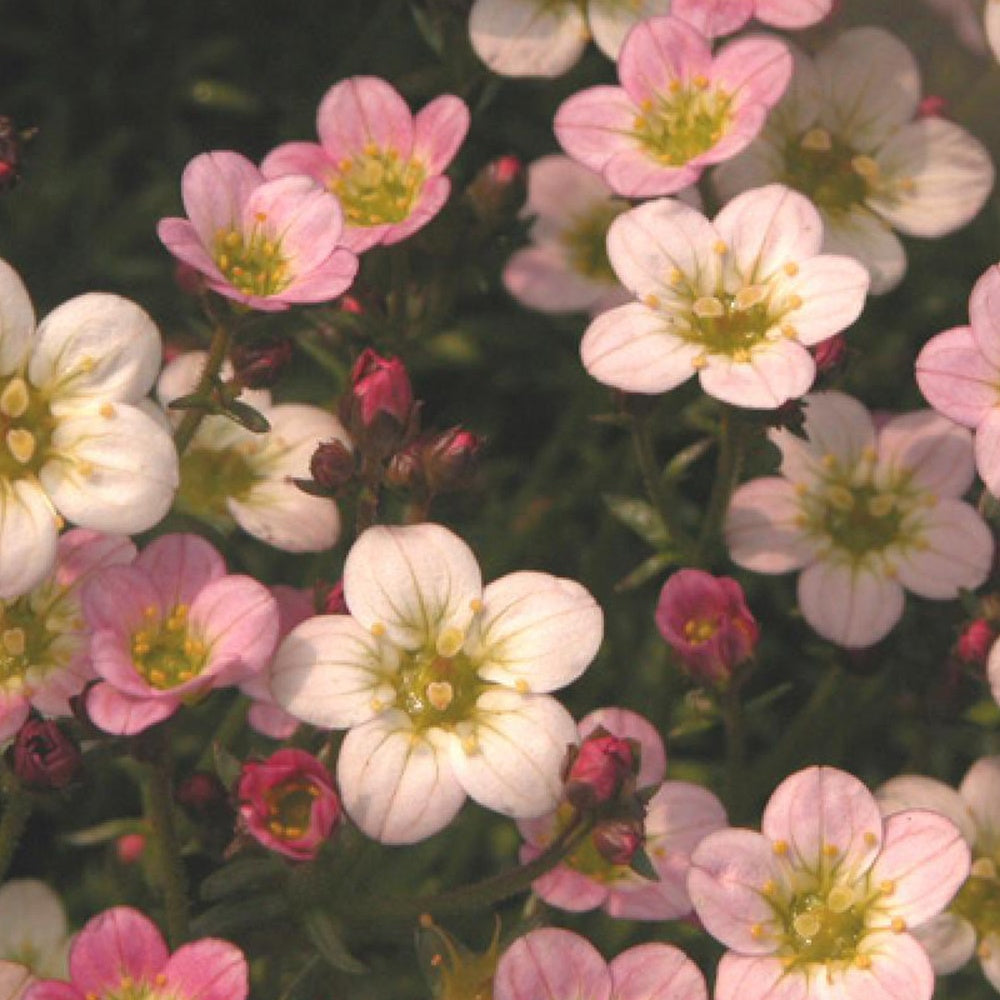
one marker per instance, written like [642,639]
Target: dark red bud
[499,188]
[598,771]
[44,756]
[381,386]
[450,459]
[333,600]
[932,106]
[11,150]
[201,794]
[332,465]
[618,840]
[974,643]
[259,364]
[830,354]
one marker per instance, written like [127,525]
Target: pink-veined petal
[899,968]
[926,450]
[122,715]
[595,124]
[781,371]
[748,977]
[956,378]
[118,943]
[17,320]
[754,70]
[610,21]
[438,130]
[660,51]
[980,790]
[656,972]
[915,791]
[792,14]
[208,969]
[714,17]
[984,314]
[179,566]
[307,158]
[762,529]
[214,188]
[861,234]
[832,290]
[363,111]
[949,940]
[630,725]
[551,964]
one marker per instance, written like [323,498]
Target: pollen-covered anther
[14,399]
[440,694]
[675,276]
[862,961]
[21,444]
[700,81]
[780,847]
[475,605]
[839,899]
[708,307]
[14,641]
[881,504]
[898,925]
[983,950]
[160,979]
[794,302]
[817,139]
[377,629]
[720,247]
[750,296]
[107,410]
[699,361]
[887,887]
[522,686]
[769,888]
[831,850]
[807,925]
[449,642]
[741,355]
[871,839]
[653,301]
[757,931]
[865,166]
[790,268]
[840,497]
[790,332]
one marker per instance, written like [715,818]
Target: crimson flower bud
[974,643]
[129,847]
[599,769]
[932,106]
[333,600]
[288,803]
[498,189]
[381,386]
[450,459]
[349,304]
[44,756]
[259,364]
[706,621]
[11,150]
[202,794]
[618,840]
[830,354]
[332,465]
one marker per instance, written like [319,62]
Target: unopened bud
[378,408]
[11,150]
[932,106]
[202,795]
[974,643]
[498,189]
[598,769]
[618,840]
[44,756]
[450,459]
[259,364]
[333,602]
[349,304]
[129,847]
[830,354]
[332,465]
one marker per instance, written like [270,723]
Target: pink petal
[956,378]
[832,290]
[753,70]
[714,17]
[565,888]
[634,174]
[438,130]
[627,724]
[659,51]
[117,598]
[551,964]
[112,659]
[540,277]
[762,530]
[984,314]
[987,450]
[46,989]
[980,790]
[363,111]
[271,721]
[430,201]
[746,977]
[214,188]
[656,972]
[792,14]
[329,279]
[836,424]
[81,551]
[928,452]
[781,371]
[899,968]
[116,944]
[184,242]
[308,158]
[180,565]
[124,716]
[595,124]
[861,234]
[914,791]
[209,970]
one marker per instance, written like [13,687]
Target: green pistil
[376,187]
[289,808]
[26,425]
[436,690]
[978,901]
[165,654]
[825,927]
[584,240]
[683,124]
[830,172]
[210,477]
[252,263]
[720,326]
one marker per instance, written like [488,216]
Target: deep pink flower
[380,386]
[120,955]
[268,244]
[288,803]
[383,163]
[706,621]
[169,628]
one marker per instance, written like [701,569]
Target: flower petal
[832,290]
[595,124]
[208,969]
[123,715]
[179,566]
[610,21]
[980,789]
[118,943]
[792,14]
[363,111]
[949,940]
[927,451]
[438,130]
[551,964]
[762,529]
[661,52]
[28,537]
[956,377]
[863,235]
[17,320]
[656,972]
[748,977]
[781,371]
[630,725]
[915,791]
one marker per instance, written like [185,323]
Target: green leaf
[646,570]
[246,416]
[194,401]
[227,766]
[641,865]
[985,713]
[678,465]
[324,936]
[238,915]
[640,516]
[102,833]
[241,876]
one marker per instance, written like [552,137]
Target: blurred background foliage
[125,92]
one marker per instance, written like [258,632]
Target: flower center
[210,477]
[129,989]
[856,517]
[440,686]
[683,123]
[289,808]
[376,187]
[165,654]
[699,630]
[251,262]
[829,171]
[584,240]
[978,901]
[38,633]
[825,927]
[26,425]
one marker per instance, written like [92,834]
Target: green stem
[160,813]
[727,471]
[228,729]
[733,722]
[192,419]
[18,804]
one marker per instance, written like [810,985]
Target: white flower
[863,515]
[74,441]
[33,929]
[737,300]
[442,683]
[231,474]
[845,135]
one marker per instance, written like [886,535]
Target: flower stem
[160,813]
[18,804]
[732,720]
[192,418]
[727,472]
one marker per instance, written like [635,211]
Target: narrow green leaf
[246,416]
[646,570]
[640,516]
[324,936]
[241,876]
[103,833]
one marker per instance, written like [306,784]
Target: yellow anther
[676,276]
[470,744]
[720,247]
[831,850]
[14,399]
[378,630]
[891,571]
[871,839]
[440,694]
[750,296]
[140,648]
[700,81]
[449,642]
[653,301]
[522,685]
[789,331]
[741,355]
[106,410]
[790,268]
[157,677]
[223,262]
[807,925]
[840,497]
[869,454]
[780,847]
[983,868]
[907,184]
[862,961]
[801,489]
[708,307]
[829,460]
[160,979]
[794,301]
[887,887]
[674,86]
[757,931]
[86,469]
[370,148]
[14,641]
[646,104]
[817,139]
[60,522]
[983,950]
[127,983]
[881,504]
[476,605]
[699,361]
[21,444]
[865,166]
[898,925]
[839,899]
[376,705]
[150,611]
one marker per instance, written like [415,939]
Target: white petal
[781,371]
[514,760]
[611,20]
[97,346]
[180,377]
[980,789]
[992,24]
[282,515]
[951,173]
[762,529]
[398,786]
[17,320]
[541,277]
[414,581]
[760,163]
[949,940]
[833,291]
[927,451]
[32,921]
[523,38]
[851,606]
[558,189]
[915,791]
[873,83]
[27,538]
[120,474]
[332,673]
[864,236]
[631,348]
[539,632]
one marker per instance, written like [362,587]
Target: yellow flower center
[252,262]
[377,187]
[164,653]
[584,240]
[26,425]
[978,901]
[210,477]
[683,123]
[289,808]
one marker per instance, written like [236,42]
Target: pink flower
[120,954]
[288,803]
[554,964]
[864,514]
[723,17]
[706,621]
[958,372]
[679,108]
[268,244]
[678,815]
[384,164]
[380,387]
[737,300]
[169,628]
[820,903]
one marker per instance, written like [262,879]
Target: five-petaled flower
[443,684]
[820,903]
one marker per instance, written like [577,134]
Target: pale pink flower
[723,17]
[120,954]
[969,926]
[864,514]
[288,803]
[169,628]
[267,244]
[820,903]
[443,684]
[846,134]
[541,38]
[993,670]
[679,109]
[678,816]
[33,929]
[958,372]
[991,23]
[555,964]
[738,300]
[15,979]
[46,643]
[384,164]
[707,623]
